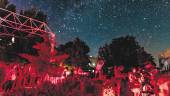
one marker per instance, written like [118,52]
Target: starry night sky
[98,21]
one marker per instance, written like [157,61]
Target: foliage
[6,5]
[123,51]
[78,53]
[42,60]
[70,87]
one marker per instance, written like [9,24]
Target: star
[99,21]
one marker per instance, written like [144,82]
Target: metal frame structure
[12,24]
[12,20]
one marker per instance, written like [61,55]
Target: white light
[13,76]
[13,40]
[94,64]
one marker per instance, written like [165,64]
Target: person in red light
[147,89]
[148,73]
[134,83]
[163,84]
[99,66]
[118,71]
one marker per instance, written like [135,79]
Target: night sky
[98,21]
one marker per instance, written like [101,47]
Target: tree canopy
[123,51]
[77,51]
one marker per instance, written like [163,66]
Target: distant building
[164,60]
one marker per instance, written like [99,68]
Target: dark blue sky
[98,21]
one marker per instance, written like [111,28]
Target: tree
[123,51]
[6,5]
[42,60]
[78,53]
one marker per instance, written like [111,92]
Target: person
[147,89]
[99,66]
[134,84]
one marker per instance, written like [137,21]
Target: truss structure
[19,26]
[19,23]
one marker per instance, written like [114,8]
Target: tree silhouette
[42,60]
[6,5]
[123,51]
[78,53]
